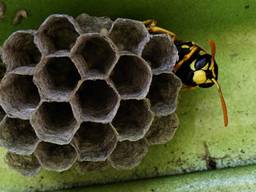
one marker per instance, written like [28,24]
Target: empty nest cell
[132,77]
[128,155]
[92,24]
[54,122]
[18,136]
[163,93]
[96,101]
[56,157]
[129,35]
[56,77]
[57,33]
[162,129]
[2,65]
[19,95]
[2,69]
[161,53]
[19,50]
[2,113]
[27,165]
[94,141]
[133,119]
[94,54]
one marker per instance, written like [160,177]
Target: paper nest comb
[89,91]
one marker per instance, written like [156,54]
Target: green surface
[231,180]
[201,142]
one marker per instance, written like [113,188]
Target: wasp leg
[156,29]
[193,49]
[150,23]
[152,28]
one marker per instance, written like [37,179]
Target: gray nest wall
[87,91]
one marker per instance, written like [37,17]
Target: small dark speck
[233,55]
[153,190]
[242,151]
[156,171]
[211,164]
[247,6]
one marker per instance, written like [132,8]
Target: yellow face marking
[208,81]
[211,68]
[184,46]
[192,65]
[199,77]
[205,67]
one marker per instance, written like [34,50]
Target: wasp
[195,67]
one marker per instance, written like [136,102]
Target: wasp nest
[92,91]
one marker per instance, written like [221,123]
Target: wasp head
[205,69]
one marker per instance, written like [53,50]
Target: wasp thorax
[86,92]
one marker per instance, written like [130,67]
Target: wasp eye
[200,63]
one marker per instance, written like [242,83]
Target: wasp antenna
[213,48]
[223,103]
[222,100]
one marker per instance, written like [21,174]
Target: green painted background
[231,180]
[232,24]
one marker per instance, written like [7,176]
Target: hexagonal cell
[96,101]
[133,119]
[19,95]
[161,53]
[54,122]
[132,77]
[94,141]
[19,50]
[2,67]
[129,35]
[92,24]
[162,129]
[128,155]
[2,113]
[2,70]
[27,165]
[94,54]
[57,32]
[56,77]
[18,136]
[56,157]
[87,166]
[163,93]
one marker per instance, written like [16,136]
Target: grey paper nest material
[91,92]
